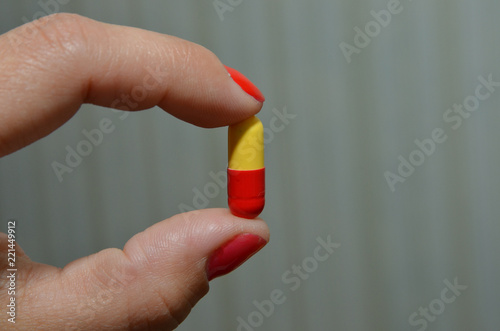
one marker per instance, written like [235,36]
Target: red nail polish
[233,253]
[245,84]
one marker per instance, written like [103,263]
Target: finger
[153,283]
[51,66]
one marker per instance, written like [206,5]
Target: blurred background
[381,137]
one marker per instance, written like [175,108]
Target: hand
[48,68]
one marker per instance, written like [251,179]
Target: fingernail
[245,84]
[233,253]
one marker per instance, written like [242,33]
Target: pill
[246,171]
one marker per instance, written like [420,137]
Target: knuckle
[110,280]
[61,34]
[64,32]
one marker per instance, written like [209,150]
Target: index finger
[51,66]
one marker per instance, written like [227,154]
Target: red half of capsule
[246,190]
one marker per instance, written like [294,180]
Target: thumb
[152,284]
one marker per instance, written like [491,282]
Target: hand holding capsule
[161,272]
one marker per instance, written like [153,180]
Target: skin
[48,69]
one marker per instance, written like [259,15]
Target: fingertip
[233,253]
[246,85]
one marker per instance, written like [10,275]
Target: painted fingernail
[233,253]
[245,84]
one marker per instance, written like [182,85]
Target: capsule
[246,171]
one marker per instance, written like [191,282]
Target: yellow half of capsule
[246,145]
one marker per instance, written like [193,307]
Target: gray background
[325,168]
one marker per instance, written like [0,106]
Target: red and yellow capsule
[246,171]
